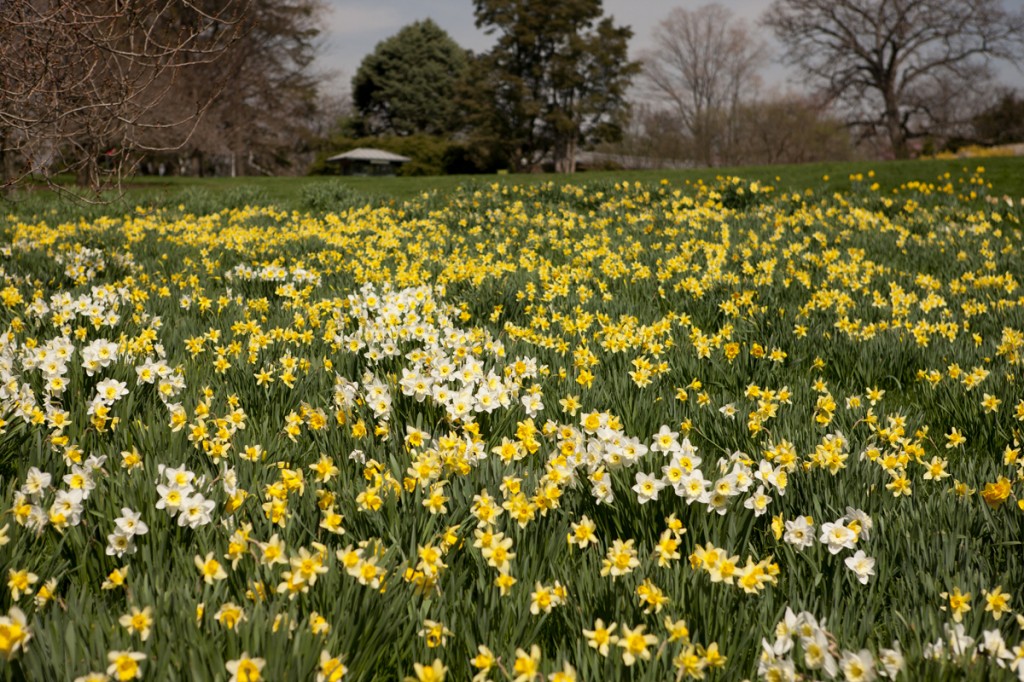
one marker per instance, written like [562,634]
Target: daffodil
[245,668]
[125,665]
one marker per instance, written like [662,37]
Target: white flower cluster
[296,275]
[50,359]
[803,645]
[66,505]
[100,308]
[82,263]
[98,355]
[108,392]
[960,648]
[411,323]
[842,534]
[128,526]
[169,381]
[180,498]
[736,477]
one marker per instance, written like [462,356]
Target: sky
[354,27]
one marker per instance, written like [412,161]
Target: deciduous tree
[263,120]
[86,84]
[892,64]
[704,63]
[789,128]
[91,87]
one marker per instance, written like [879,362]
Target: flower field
[586,432]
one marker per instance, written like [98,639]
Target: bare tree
[88,85]
[893,64]
[263,120]
[704,62]
[790,128]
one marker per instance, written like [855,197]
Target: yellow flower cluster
[394,416]
[751,577]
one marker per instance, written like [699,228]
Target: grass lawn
[612,431]
[1005,176]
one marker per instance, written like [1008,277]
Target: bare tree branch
[705,62]
[83,82]
[899,60]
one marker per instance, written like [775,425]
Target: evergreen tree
[556,78]
[407,84]
[1003,122]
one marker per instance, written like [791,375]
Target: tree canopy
[92,87]
[82,80]
[705,62]
[896,65]
[556,77]
[265,115]
[407,84]
[1002,122]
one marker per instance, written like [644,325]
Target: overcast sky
[354,27]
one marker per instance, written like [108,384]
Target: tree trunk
[88,172]
[6,163]
[897,139]
[703,139]
[562,156]
[897,136]
[519,162]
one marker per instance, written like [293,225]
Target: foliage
[99,89]
[89,86]
[789,129]
[430,154]
[1002,122]
[407,84]
[301,438]
[332,196]
[777,129]
[555,79]
[261,123]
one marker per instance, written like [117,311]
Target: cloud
[357,18]
[352,28]
[644,16]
